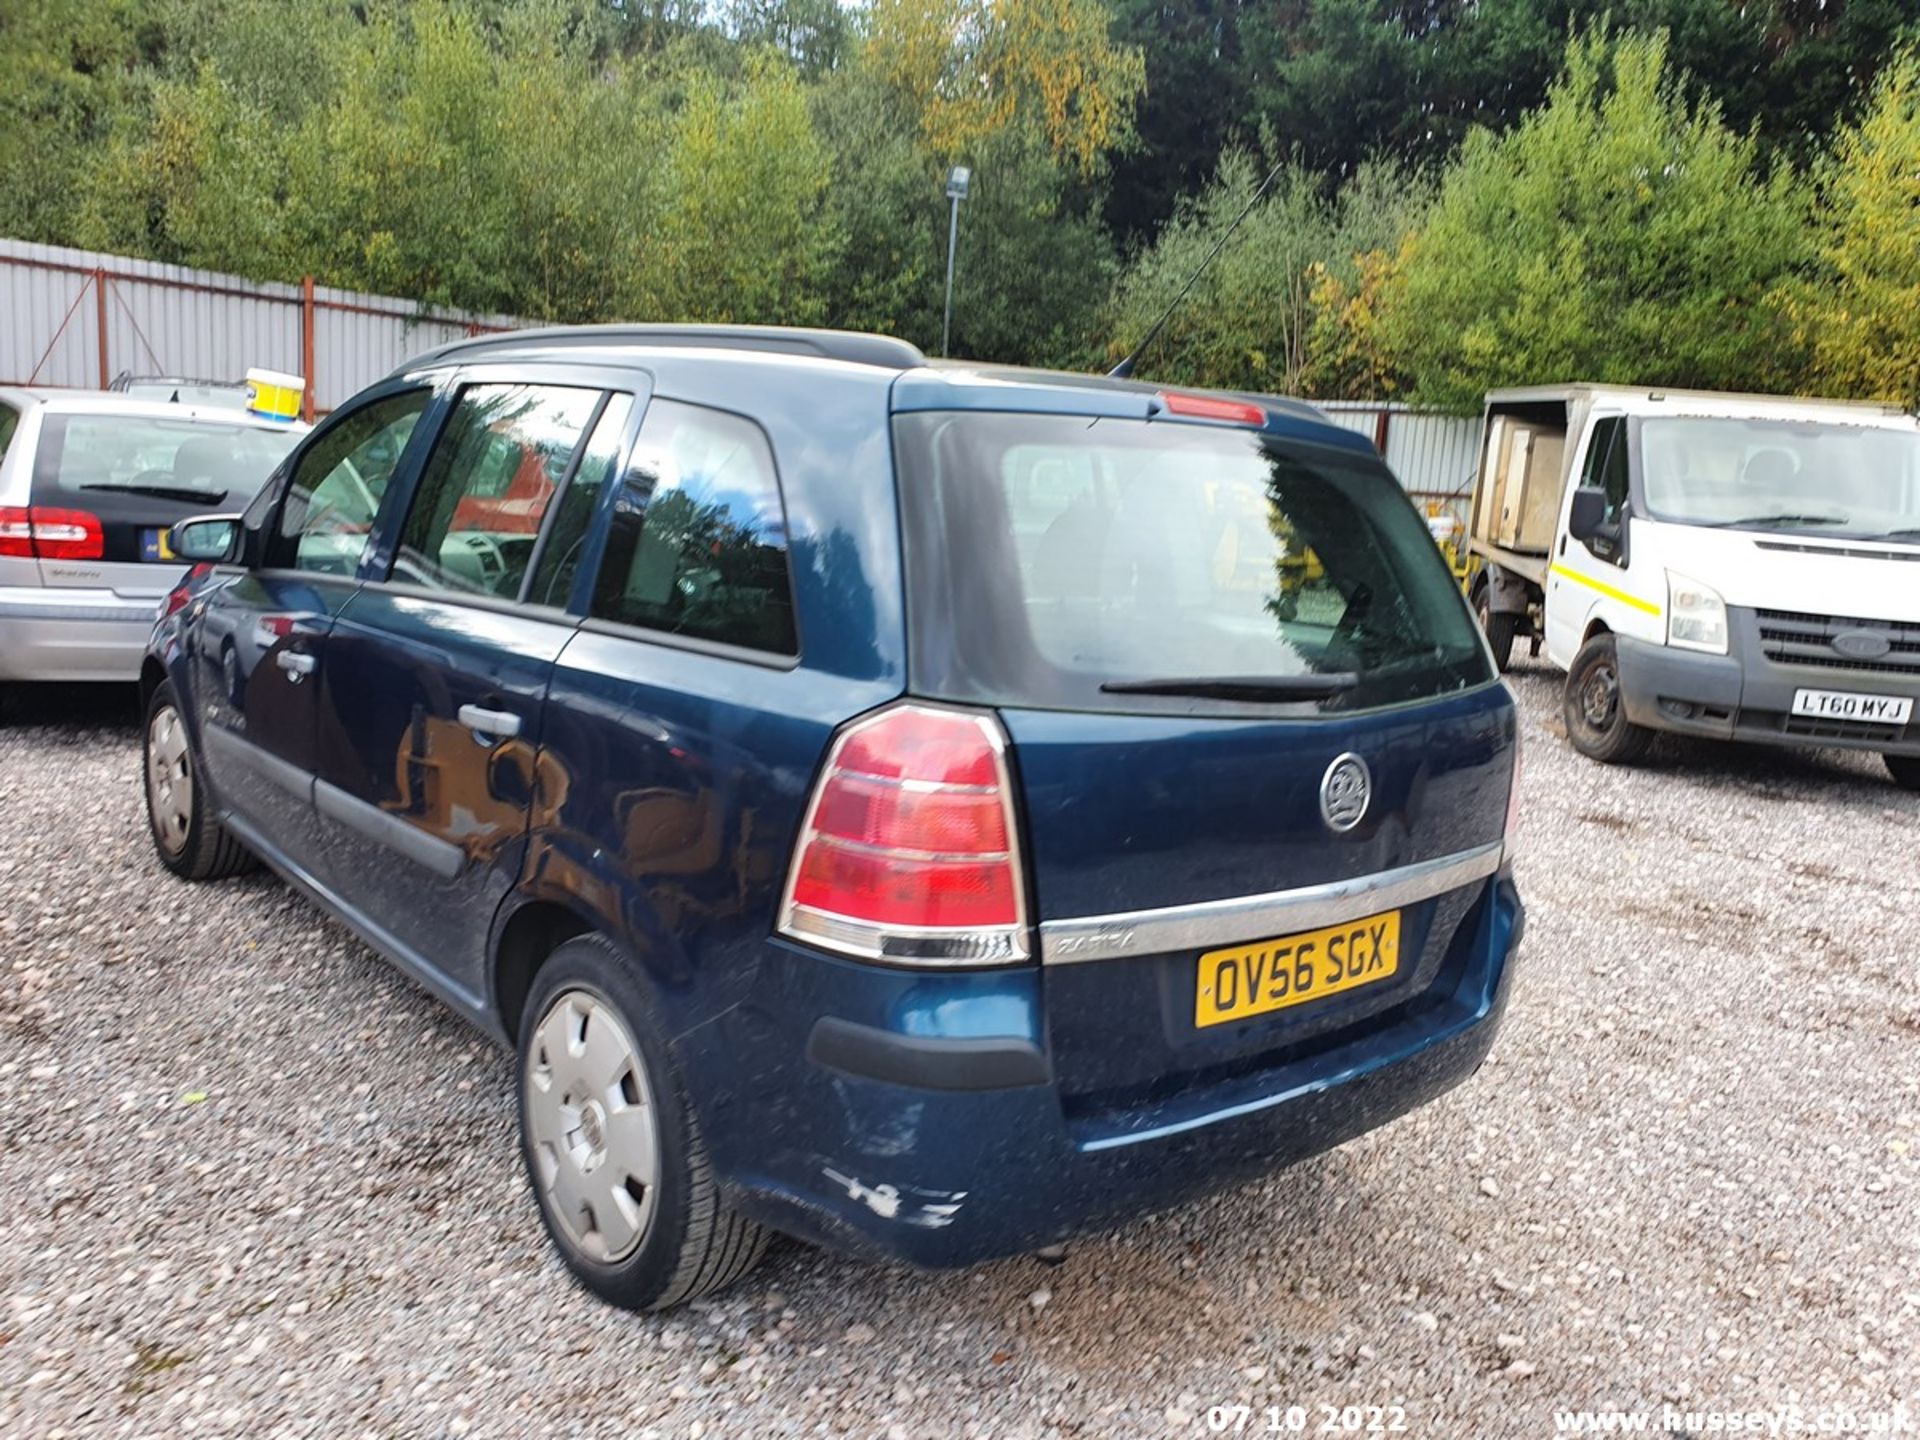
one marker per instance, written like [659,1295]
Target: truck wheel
[1596,717]
[611,1147]
[1499,628]
[1905,770]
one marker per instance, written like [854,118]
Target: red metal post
[1380,431]
[306,347]
[100,300]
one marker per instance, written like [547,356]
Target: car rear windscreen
[1150,566]
[201,463]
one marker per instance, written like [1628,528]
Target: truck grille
[1792,639]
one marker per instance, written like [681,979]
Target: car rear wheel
[1595,712]
[1905,770]
[611,1148]
[188,838]
[1498,628]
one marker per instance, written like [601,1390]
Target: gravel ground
[256,1184]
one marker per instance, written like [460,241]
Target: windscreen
[1857,480]
[201,463]
[1068,562]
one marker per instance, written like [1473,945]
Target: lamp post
[958,179]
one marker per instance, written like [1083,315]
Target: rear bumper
[1745,696]
[929,1141]
[56,634]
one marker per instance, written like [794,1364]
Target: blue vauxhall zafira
[928,809]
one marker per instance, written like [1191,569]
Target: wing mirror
[1588,517]
[206,539]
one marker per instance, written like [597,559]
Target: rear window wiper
[1275,688]
[161,492]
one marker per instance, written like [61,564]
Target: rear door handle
[488,724]
[295,664]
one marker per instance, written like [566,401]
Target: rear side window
[9,422]
[492,473]
[698,541]
[1049,556]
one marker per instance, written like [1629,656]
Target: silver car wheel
[590,1126]
[169,780]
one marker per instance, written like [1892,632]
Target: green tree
[70,70]
[1250,320]
[970,70]
[736,221]
[1859,313]
[1619,233]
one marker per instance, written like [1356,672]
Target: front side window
[1074,563]
[337,485]
[698,544]
[1606,468]
[484,492]
[1821,476]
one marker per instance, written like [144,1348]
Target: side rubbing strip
[1249,917]
[262,762]
[442,857]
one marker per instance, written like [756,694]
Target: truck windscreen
[1827,477]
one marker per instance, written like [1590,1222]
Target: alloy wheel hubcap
[591,1126]
[169,780]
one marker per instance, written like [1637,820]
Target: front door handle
[295,664]
[489,725]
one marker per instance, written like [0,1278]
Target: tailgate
[1156,842]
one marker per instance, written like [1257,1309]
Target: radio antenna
[1124,370]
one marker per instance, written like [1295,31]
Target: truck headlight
[1696,615]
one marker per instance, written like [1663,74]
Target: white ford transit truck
[1739,566]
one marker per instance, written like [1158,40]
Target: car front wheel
[1905,770]
[611,1148]
[187,836]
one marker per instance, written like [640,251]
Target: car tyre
[187,836]
[1499,628]
[1595,710]
[1905,770]
[612,1151]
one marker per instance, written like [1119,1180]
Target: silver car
[90,483]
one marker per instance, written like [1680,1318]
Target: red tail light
[16,532]
[50,534]
[909,852]
[1212,407]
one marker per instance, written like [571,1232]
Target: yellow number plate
[1254,979]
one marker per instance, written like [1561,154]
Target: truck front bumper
[1746,695]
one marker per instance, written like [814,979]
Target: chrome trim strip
[1247,918]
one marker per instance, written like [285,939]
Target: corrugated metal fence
[1433,455]
[75,318]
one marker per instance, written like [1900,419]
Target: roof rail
[849,345]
